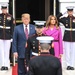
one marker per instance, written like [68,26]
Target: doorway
[36,8]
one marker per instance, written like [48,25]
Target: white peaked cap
[39,22]
[70,8]
[45,39]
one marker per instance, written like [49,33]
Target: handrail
[18,21]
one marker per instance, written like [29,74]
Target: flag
[14,67]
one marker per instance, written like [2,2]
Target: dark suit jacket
[19,39]
[33,46]
[45,64]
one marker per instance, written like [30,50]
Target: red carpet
[15,69]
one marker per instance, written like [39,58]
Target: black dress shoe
[6,68]
[68,68]
[2,68]
[72,68]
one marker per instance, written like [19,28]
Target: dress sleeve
[44,31]
[60,41]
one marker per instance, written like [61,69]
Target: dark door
[36,8]
[52,7]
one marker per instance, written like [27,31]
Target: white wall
[66,0]
[64,4]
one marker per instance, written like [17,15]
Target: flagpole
[14,18]
[14,9]
[54,7]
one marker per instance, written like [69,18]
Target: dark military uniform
[6,32]
[6,26]
[45,64]
[69,23]
[69,38]
[32,46]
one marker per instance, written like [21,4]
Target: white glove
[11,40]
[27,68]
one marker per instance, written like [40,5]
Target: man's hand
[16,55]
[11,40]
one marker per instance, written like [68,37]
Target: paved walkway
[65,72]
[9,72]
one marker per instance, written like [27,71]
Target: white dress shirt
[25,27]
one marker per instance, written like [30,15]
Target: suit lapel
[23,31]
[30,30]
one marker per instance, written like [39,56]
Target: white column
[14,9]
[54,7]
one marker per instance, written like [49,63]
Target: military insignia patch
[8,18]
[66,24]
[74,20]
[33,47]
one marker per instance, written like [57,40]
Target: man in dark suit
[45,64]
[20,36]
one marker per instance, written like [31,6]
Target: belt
[5,27]
[33,53]
[55,40]
[70,29]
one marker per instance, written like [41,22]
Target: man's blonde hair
[26,15]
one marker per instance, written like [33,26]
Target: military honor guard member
[69,36]
[6,32]
[32,43]
[45,64]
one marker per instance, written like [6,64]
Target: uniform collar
[45,53]
[39,35]
[4,13]
[70,16]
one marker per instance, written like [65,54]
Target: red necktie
[26,32]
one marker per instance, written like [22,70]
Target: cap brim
[70,9]
[3,7]
[39,26]
[45,39]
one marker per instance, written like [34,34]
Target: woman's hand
[60,56]
[52,45]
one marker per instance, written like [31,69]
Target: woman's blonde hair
[48,22]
